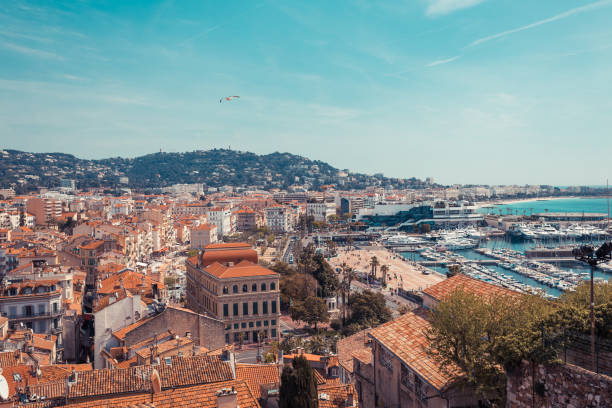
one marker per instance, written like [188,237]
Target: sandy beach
[481,204]
[402,274]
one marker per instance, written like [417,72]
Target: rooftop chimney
[155,381]
[227,398]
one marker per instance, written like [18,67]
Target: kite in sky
[229,98]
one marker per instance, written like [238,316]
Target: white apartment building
[222,218]
[320,211]
[278,219]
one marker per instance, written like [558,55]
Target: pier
[450,261]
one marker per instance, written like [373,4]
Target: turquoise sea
[579,205]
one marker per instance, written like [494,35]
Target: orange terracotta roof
[120,334]
[9,358]
[92,245]
[230,255]
[200,396]
[181,372]
[336,395]
[405,337]
[347,346]
[257,375]
[242,270]
[228,245]
[443,289]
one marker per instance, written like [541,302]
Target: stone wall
[562,385]
[208,331]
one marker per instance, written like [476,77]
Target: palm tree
[349,275]
[374,264]
[384,270]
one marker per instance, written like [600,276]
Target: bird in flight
[229,98]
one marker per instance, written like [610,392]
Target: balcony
[35,315]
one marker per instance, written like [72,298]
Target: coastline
[481,204]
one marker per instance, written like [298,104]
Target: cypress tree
[298,386]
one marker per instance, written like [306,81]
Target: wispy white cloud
[72,77]
[220,25]
[30,51]
[565,14]
[443,61]
[441,7]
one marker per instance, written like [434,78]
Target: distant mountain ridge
[26,171]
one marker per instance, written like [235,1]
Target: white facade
[278,219]
[117,315]
[320,211]
[222,218]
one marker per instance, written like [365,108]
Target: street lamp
[593,257]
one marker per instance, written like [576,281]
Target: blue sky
[465,91]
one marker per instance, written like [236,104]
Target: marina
[530,255]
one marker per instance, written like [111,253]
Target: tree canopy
[368,309]
[298,386]
[312,311]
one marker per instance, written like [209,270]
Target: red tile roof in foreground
[199,396]
[181,372]
[256,375]
[351,345]
[336,395]
[405,337]
[443,289]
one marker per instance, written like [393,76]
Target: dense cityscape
[127,290]
[305,204]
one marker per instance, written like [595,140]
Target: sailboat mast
[608,194]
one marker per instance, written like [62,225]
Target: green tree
[368,309]
[454,269]
[296,288]
[384,270]
[481,336]
[312,311]
[298,386]
[373,266]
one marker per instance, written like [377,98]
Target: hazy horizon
[464,91]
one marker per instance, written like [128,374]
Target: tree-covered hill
[214,168]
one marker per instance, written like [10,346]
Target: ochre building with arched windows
[226,282]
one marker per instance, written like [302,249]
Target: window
[55,307]
[258,323]
[236,326]
[27,311]
[245,309]
[264,307]
[225,290]
[235,309]
[251,324]
[254,287]
[13,311]
[405,377]
[225,310]
[243,325]
[245,288]
[274,306]
[385,358]
[273,322]
[265,323]
[273,333]
[263,287]
[227,338]
[41,309]
[273,286]
[255,308]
